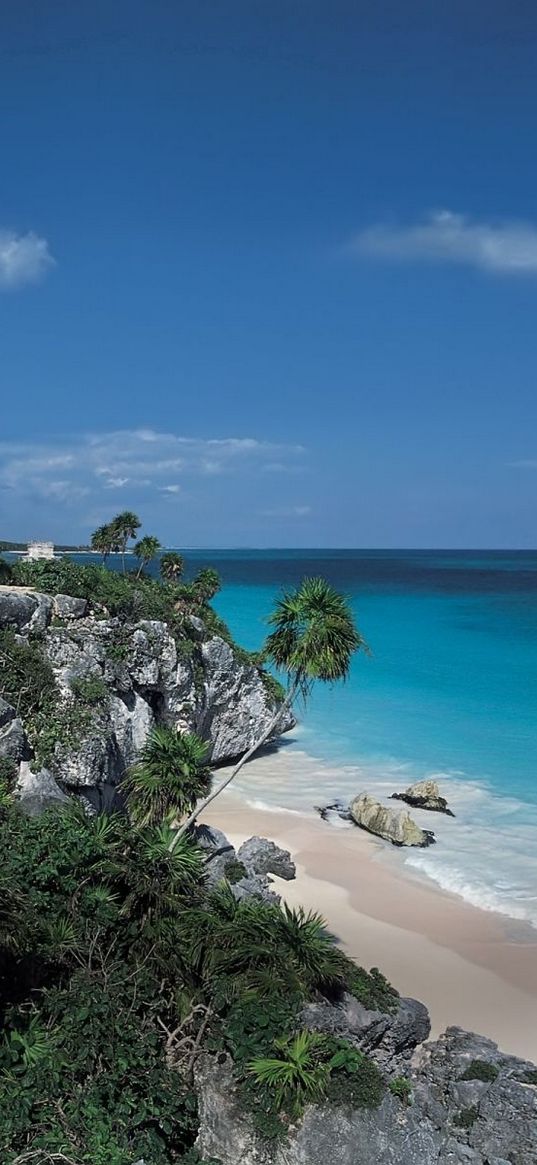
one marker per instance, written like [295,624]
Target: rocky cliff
[116,679]
[464,1103]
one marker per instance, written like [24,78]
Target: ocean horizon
[449,691]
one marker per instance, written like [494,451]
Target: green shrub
[8,771]
[401,1087]
[275,690]
[481,1070]
[466,1117]
[530,1077]
[372,989]
[234,871]
[354,1080]
[89,690]
[26,678]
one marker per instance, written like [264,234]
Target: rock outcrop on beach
[464,1102]
[424,795]
[394,826]
[248,871]
[197,682]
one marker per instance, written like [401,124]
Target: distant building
[40,550]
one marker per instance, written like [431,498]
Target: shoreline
[473,968]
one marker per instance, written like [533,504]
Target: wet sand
[473,968]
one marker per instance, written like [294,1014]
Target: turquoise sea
[450,690]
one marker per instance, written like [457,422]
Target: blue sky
[268,271]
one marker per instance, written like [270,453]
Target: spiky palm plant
[169,777]
[171,566]
[303,936]
[298,1074]
[146,550]
[154,882]
[313,638]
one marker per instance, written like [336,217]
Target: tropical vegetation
[118,965]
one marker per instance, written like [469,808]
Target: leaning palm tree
[145,551]
[313,638]
[171,566]
[125,527]
[168,778]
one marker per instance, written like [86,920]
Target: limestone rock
[388,1135]
[500,1125]
[38,791]
[335,813]
[397,827]
[67,607]
[236,707]
[13,742]
[261,856]
[24,611]
[196,685]
[255,886]
[219,852]
[424,795]
[390,1039]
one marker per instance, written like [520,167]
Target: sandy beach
[473,968]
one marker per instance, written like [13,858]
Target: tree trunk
[244,759]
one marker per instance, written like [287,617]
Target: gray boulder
[494,1118]
[255,886]
[261,856]
[389,1039]
[424,795]
[38,791]
[24,611]
[219,850]
[397,827]
[13,742]
[67,607]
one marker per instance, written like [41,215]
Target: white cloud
[23,259]
[116,482]
[444,237]
[142,459]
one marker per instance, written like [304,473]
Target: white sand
[472,968]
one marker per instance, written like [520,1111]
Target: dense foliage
[117,965]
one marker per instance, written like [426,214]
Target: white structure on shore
[40,550]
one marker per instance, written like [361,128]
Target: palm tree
[146,550]
[171,566]
[125,526]
[206,584]
[104,540]
[169,777]
[314,637]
